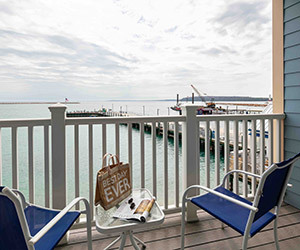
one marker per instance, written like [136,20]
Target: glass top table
[106,224]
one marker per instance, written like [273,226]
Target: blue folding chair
[240,214]
[25,226]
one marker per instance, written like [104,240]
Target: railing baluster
[91,167]
[235,156]
[207,155]
[142,155]
[165,140]
[153,131]
[262,146]
[278,140]
[197,146]
[104,150]
[15,172]
[0,157]
[46,166]
[253,156]
[217,153]
[76,161]
[245,157]
[270,142]
[30,164]
[117,138]
[130,149]
[176,159]
[226,150]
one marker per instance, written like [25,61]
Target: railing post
[58,142]
[190,156]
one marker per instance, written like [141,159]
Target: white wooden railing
[76,122]
[14,125]
[229,131]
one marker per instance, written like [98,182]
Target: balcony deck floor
[204,234]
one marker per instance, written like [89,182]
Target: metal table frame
[106,224]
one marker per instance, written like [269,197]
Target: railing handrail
[24,122]
[120,119]
[239,117]
[132,119]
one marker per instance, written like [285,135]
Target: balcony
[203,148]
[204,234]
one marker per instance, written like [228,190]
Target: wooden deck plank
[263,239]
[292,243]
[226,239]
[205,234]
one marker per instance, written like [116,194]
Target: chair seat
[38,217]
[230,213]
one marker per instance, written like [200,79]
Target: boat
[176,107]
[210,108]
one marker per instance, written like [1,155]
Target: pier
[159,127]
[170,134]
[99,113]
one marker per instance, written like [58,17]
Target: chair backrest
[11,233]
[273,185]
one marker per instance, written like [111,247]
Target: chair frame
[253,208]
[20,204]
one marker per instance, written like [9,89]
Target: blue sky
[133,49]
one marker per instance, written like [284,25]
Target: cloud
[142,20]
[11,34]
[241,15]
[132,48]
[4,8]
[70,50]
[214,51]
[57,61]
[172,29]
[148,22]
[188,36]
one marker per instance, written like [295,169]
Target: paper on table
[140,213]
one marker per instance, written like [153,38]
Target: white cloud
[134,49]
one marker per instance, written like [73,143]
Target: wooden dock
[148,127]
[95,113]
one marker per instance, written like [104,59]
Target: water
[14,111]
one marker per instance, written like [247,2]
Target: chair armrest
[238,171]
[21,195]
[226,197]
[51,223]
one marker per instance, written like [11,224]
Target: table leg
[124,235]
[133,241]
[114,242]
[138,240]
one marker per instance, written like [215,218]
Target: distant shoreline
[39,102]
[185,99]
[206,98]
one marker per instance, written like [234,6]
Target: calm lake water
[14,111]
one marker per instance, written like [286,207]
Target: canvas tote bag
[113,183]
